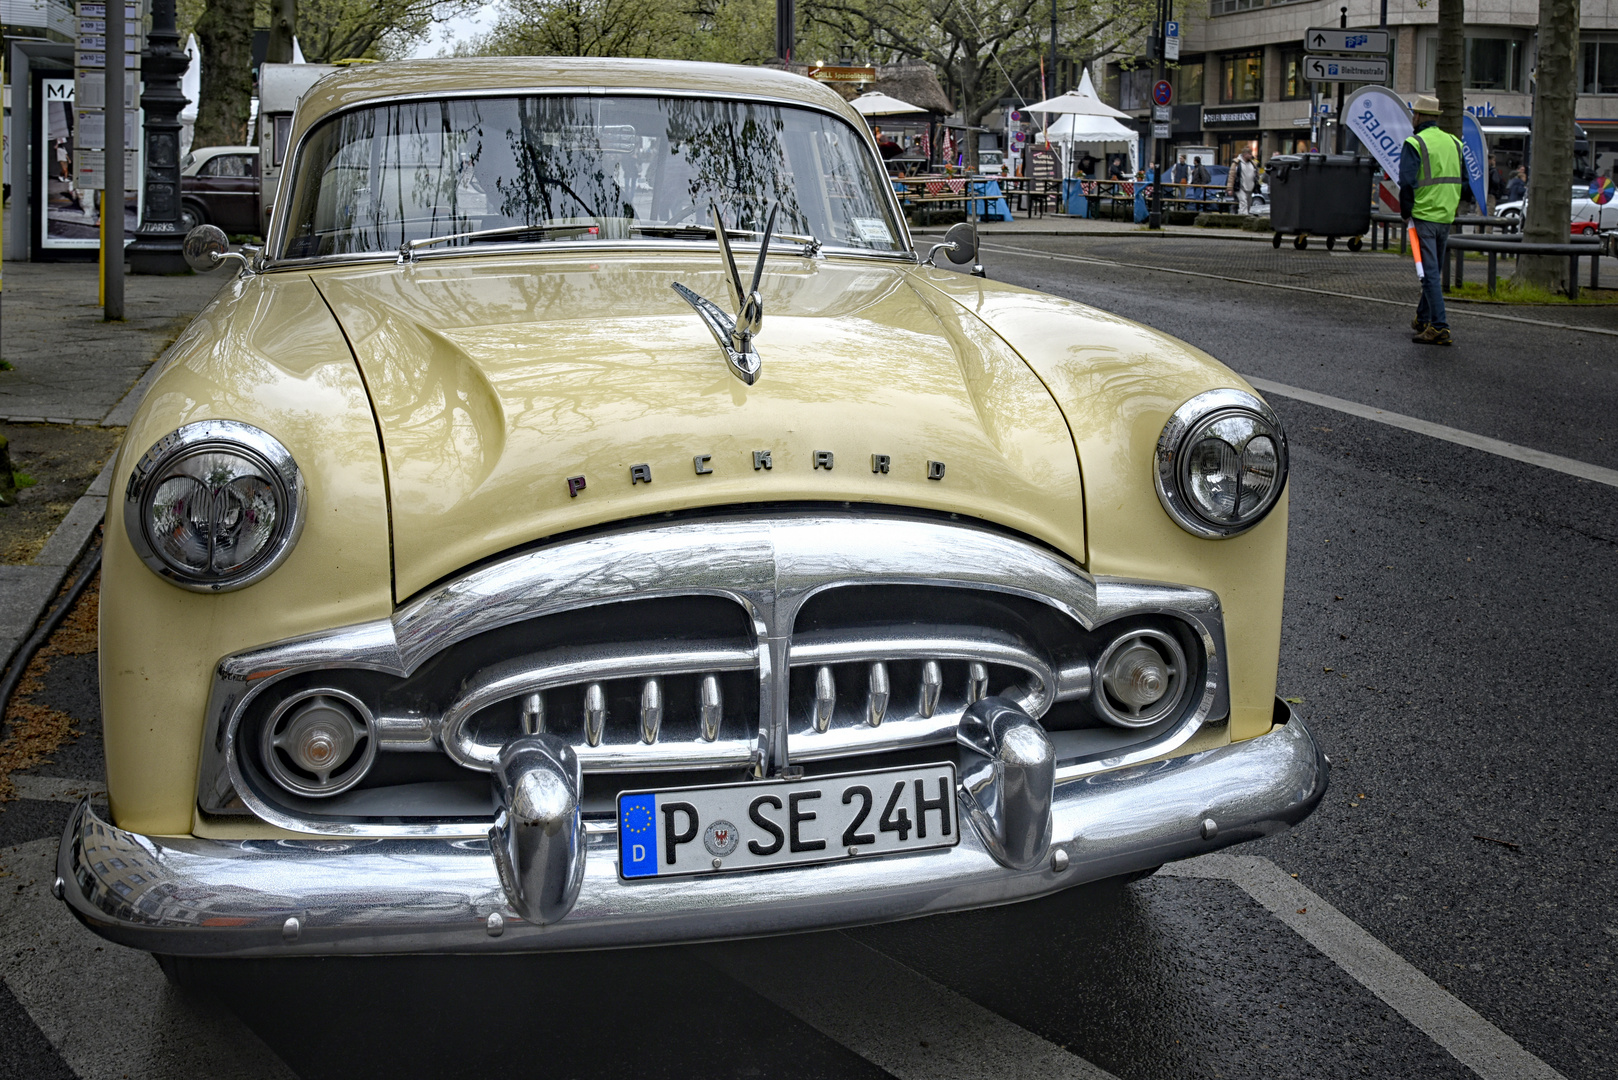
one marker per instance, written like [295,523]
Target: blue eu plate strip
[637,835]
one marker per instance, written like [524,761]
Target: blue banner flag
[1475,157]
[637,835]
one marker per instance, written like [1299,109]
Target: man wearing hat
[1430,182]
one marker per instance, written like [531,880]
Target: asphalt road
[1448,629]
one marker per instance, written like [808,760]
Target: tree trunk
[1451,60]
[225,33]
[1550,200]
[283,21]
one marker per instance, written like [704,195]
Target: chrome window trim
[769,564]
[1170,444]
[276,241]
[236,437]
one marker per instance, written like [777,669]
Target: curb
[28,590]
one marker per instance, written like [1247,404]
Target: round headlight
[214,506]
[1221,463]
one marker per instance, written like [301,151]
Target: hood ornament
[735,335]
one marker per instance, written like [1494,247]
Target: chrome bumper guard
[193,896]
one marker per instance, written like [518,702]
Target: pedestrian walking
[1199,175]
[1244,180]
[1517,186]
[1430,181]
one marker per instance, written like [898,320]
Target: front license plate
[754,826]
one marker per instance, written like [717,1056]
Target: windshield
[580,168]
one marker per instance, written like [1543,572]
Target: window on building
[1598,66]
[1188,83]
[1226,7]
[1488,63]
[1242,77]
[1293,84]
[1135,89]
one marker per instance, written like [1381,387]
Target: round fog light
[319,743]
[1144,676]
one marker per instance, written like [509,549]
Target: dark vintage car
[219,186]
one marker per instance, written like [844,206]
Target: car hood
[498,380]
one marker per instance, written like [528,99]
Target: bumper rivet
[1210,828]
[58,888]
[852,850]
[290,930]
[496,924]
[717,863]
[1059,860]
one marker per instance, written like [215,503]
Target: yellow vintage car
[593,520]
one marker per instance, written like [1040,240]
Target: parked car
[993,163]
[1588,217]
[592,520]
[219,186]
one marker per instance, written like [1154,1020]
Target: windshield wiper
[531,233]
[811,245]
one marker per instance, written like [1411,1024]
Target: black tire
[1331,243]
[1300,242]
[1355,243]
[1275,242]
[191,215]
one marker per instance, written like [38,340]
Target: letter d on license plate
[755,826]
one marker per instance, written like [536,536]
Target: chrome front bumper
[201,897]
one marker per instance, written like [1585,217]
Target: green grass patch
[22,479]
[5,365]
[1508,291]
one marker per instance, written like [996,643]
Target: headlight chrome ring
[1221,463]
[215,505]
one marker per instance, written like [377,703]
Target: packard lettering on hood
[509,555]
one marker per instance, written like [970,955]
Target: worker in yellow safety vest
[1430,184]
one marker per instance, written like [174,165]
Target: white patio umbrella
[876,103]
[1080,102]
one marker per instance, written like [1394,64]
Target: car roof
[451,76]
[215,151]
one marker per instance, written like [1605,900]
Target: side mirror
[962,243]
[205,247]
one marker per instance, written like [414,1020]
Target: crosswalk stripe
[892,1015]
[1444,1018]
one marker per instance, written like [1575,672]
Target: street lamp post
[157,246]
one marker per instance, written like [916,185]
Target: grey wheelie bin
[1325,195]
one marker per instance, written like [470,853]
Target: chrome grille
[725,644]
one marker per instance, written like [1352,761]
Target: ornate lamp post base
[157,246]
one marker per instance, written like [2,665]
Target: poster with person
[70,211]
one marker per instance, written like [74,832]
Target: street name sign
[843,73]
[1343,69]
[1335,39]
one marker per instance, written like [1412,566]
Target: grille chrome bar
[568,667]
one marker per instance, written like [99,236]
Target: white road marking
[1499,447]
[55,789]
[1458,310]
[922,1031]
[108,1010]
[1471,1039]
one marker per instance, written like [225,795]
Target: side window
[233,165]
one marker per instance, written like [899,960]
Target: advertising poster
[71,214]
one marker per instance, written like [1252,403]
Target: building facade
[1239,81]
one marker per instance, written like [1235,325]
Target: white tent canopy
[1080,102]
[876,103]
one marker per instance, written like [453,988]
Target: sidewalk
[69,367]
